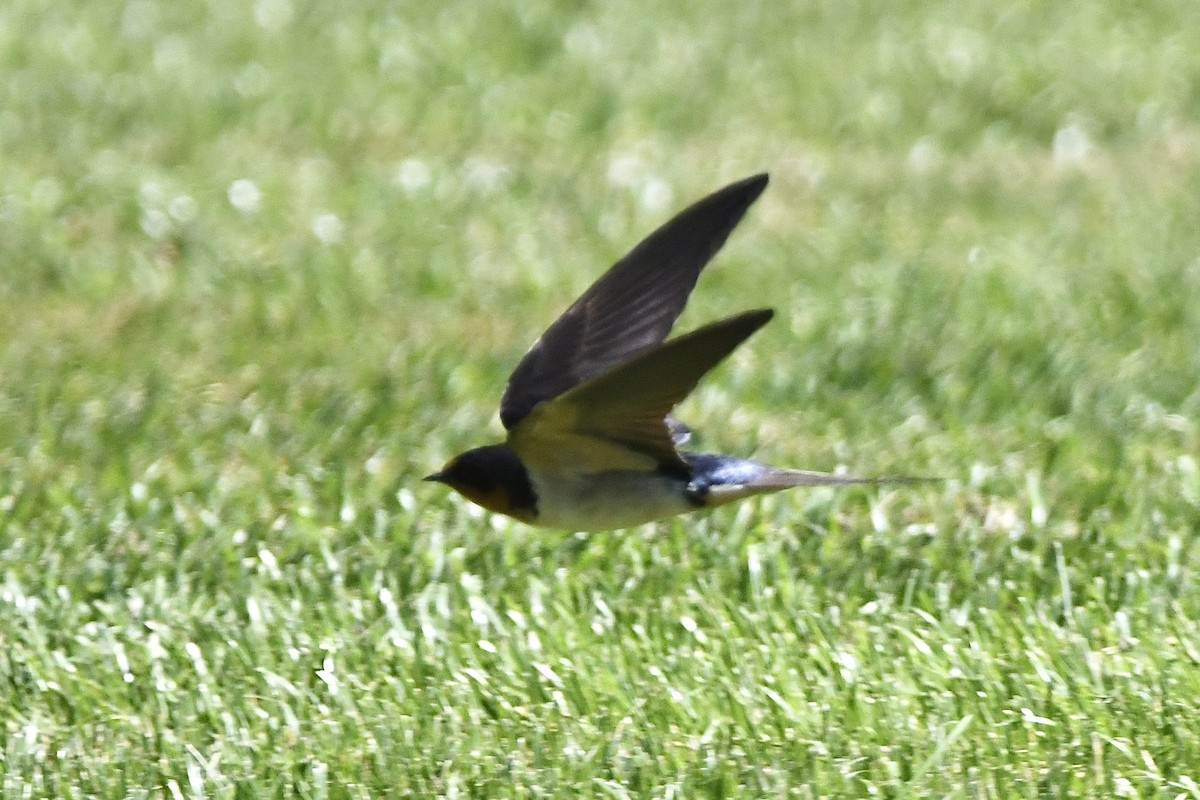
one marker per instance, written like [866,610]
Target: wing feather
[618,420]
[632,307]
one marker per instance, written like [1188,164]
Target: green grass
[221,577]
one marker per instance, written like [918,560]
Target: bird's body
[591,445]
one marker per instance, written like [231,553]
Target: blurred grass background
[264,265]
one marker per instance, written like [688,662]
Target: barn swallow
[591,444]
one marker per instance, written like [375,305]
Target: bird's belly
[607,500]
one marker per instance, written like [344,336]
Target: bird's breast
[607,500]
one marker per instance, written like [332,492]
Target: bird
[591,441]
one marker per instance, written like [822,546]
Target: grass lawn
[264,265]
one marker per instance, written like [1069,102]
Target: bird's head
[492,477]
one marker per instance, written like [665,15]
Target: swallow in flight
[591,444]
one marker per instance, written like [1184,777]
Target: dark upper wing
[632,307]
[618,420]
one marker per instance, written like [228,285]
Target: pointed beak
[437,476]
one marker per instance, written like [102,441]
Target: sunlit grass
[265,265]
